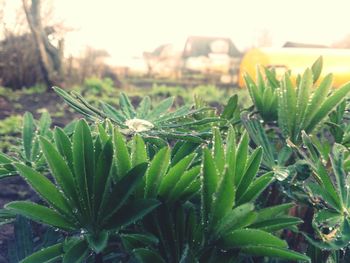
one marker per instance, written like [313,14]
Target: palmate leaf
[126,106]
[45,188]
[274,252]
[83,159]
[98,242]
[183,123]
[46,255]
[304,107]
[40,213]
[218,150]
[103,168]
[303,93]
[186,185]
[132,241]
[59,167]
[258,135]
[76,104]
[113,114]
[28,135]
[255,188]
[260,243]
[233,219]
[181,149]
[138,151]
[144,107]
[317,69]
[174,174]
[116,197]
[337,162]
[320,172]
[250,172]
[318,97]
[64,146]
[161,108]
[130,213]
[241,158]
[156,172]
[264,94]
[251,237]
[273,212]
[287,101]
[210,180]
[123,161]
[224,198]
[276,224]
[75,251]
[328,105]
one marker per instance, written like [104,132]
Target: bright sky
[126,28]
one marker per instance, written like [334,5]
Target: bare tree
[50,57]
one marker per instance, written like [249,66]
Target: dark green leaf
[40,213]
[46,255]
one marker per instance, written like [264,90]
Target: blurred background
[139,42]
[158,47]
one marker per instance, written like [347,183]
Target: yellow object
[335,61]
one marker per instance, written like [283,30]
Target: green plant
[89,199]
[264,94]
[331,198]
[223,226]
[28,151]
[98,86]
[274,159]
[147,120]
[301,108]
[339,124]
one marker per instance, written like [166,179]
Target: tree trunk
[50,58]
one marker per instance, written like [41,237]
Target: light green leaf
[317,69]
[138,151]
[328,105]
[241,158]
[252,168]
[160,109]
[126,106]
[122,154]
[235,218]
[224,198]
[256,188]
[209,180]
[156,171]
[218,150]
[251,237]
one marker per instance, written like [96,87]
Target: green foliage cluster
[160,183]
